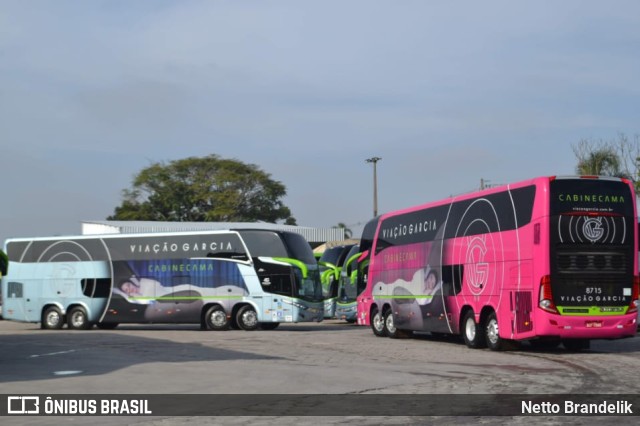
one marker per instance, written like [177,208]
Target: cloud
[92,92]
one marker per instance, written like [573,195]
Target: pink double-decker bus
[549,260]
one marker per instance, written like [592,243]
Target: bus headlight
[296,305]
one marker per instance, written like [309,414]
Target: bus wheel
[494,341]
[493,337]
[269,325]
[390,325]
[471,332]
[377,323]
[576,345]
[216,319]
[52,319]
[247,318]
[78,319]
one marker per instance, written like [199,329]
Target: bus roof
[495,189]
[144,235]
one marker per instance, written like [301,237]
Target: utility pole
[374,160]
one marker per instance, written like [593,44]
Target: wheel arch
[56,305]
[485,312]
[386,306]
[463,313]
[237,306]
[82,305]
[372,307]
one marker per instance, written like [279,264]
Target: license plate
[594,324]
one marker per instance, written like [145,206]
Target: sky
[445,93]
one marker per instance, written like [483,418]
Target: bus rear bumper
[587,327]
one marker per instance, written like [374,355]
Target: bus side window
[96,287]
[277,279]
[452,279]
[277,284]
[14,290]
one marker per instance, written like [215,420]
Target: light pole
[374,160]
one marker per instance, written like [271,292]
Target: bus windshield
[348,290]
[292,249]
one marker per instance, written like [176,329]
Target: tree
[347,232]
[4,263]
[204,189]
[603,162]
[617,157]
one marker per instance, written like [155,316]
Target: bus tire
[269,325]
[52,319]
[77,319]
[216,319]
[247,318]
[472,333]
[377,323]
[492,335]
[390,327]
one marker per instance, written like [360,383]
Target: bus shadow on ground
[323,326]
[330,325]
[628,345]
[52,355]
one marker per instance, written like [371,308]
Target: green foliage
[347,232]
[204,189]
[619,157]
[602,162]
[4,263]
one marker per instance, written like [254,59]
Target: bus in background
[550,260]
[220,279]
[346,305]
[347,286]
[4,265]
[330,264]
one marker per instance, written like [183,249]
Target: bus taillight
[635,295]
[546,296]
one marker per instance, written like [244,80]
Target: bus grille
[591,260]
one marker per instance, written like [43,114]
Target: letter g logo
[592,229]
[478,268]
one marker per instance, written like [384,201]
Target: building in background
[315,236]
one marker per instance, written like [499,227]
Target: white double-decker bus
[247,279]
